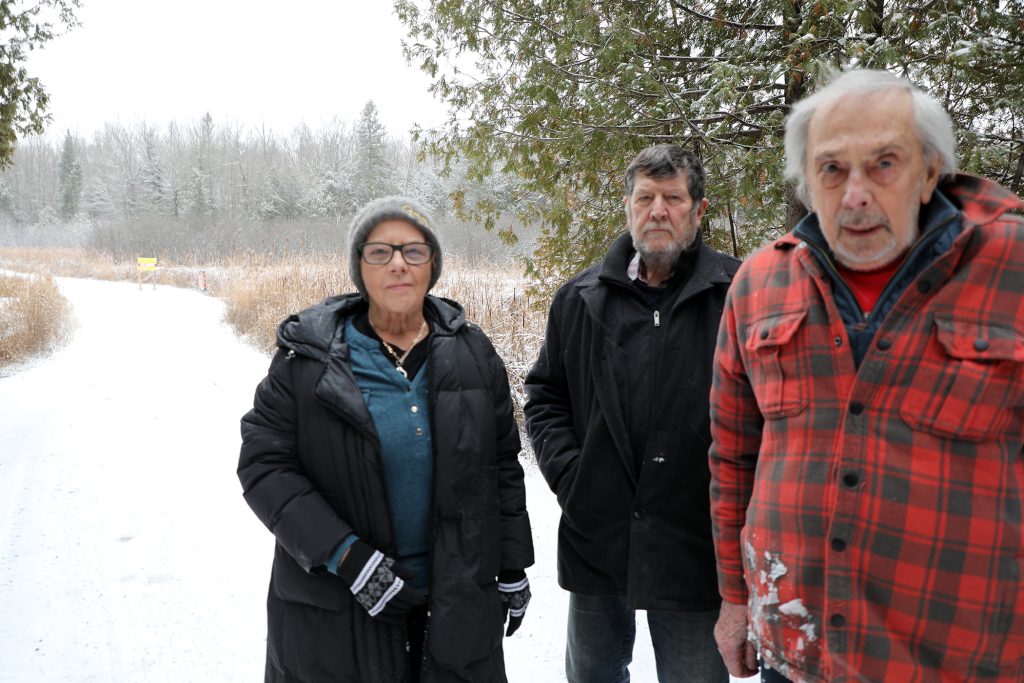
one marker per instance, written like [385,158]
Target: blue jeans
[602,629]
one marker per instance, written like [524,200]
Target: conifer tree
[23,99]
[69,179]
[563,93]
[372,173]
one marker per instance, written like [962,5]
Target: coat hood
[311,331]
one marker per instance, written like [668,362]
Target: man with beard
[868,409]
[617,413]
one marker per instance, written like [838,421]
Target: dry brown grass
[34,317]
[261,290]
[63,262]
[495,299]
[97,265]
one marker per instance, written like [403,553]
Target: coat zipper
[657,319]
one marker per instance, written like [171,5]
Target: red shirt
[867,285]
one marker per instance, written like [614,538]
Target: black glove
[514,588]
[378,583]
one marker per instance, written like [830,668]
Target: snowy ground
[126,551]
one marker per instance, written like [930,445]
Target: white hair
[933,123]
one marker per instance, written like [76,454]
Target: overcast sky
[253,62]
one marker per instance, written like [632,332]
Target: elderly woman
[382,453]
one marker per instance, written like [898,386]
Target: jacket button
[924,286]
[414,409]
[883,344]
[851,479]
[837,621]
[638,513]
[838,341]
[981,344]
[838,544]
[856,408]
[419,431]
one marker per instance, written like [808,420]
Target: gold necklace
[399,360]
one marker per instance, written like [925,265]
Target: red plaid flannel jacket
[871,517]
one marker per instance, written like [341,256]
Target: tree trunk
[795,85]
[795,209]
[1015,184]
[877,16]
[732,232]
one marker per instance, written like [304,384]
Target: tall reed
[34,317]
[260,290]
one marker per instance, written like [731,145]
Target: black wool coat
[311,470]
[635,524]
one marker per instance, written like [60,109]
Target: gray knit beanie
[386,208]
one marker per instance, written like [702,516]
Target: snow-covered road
[126,551]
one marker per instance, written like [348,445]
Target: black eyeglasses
[381,253]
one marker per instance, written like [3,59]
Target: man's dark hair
[666,161]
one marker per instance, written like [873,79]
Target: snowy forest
[203,189]
[547,103]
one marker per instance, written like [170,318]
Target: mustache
[860,217]
[657,225]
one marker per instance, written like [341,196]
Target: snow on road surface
[127,553]
[126,550]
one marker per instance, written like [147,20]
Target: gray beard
[659,260]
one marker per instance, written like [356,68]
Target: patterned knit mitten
[378,583]
[515,596]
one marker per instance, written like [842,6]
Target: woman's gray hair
[933,123]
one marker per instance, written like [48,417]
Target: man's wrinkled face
[663,219]
[867,177]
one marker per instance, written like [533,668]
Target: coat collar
[707,270]
[319,333]
[981,200]
[313,331]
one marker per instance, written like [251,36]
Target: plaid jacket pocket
[776,365]
[970,385]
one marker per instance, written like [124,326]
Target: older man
[618,417]
[868,410]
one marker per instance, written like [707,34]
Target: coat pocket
[465,616]
[776,365]
[969,386]
[289,582]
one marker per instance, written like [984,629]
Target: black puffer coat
[643,532]
[311,470]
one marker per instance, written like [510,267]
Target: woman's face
[396,287]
